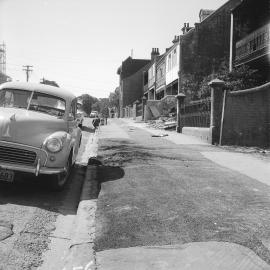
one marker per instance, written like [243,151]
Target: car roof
[42,88]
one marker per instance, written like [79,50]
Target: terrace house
[161,77]
[150,76]
[206,47]
[250,36]
[172,60]
[130,82]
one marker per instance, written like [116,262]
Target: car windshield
[35,101]
[47,104]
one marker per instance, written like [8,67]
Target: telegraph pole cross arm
[27,69]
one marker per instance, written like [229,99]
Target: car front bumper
[9,159]
[30,169]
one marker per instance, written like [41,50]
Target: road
[29,217]
[156,193]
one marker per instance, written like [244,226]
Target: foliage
[190,86]
[239,78]
[102,106]
[4,78]
[196,86]
[114,98]
[48,82]
[87,102]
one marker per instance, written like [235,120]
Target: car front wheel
[58,181]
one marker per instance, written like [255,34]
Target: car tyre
[58,181]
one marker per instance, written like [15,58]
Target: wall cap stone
[216,82]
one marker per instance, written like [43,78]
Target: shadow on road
[109,173]
[35,192]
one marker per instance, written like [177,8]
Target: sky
[81,43]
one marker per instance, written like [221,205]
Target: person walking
[96,122]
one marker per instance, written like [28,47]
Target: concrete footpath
[251,162]
[191,256]
[81,255]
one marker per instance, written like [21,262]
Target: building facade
[205,47]
[250,36]
[172,67]
[161,77]
[150,76]
[130,82]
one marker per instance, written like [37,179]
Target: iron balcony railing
[254,42]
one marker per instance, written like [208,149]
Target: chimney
[154,53]
[186,28]
[204,13]
[175,40]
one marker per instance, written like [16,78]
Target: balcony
[253,46]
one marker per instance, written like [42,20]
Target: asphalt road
[28,211]
[154,192]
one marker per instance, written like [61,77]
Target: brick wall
[205,47]
[247,117]
[132,88]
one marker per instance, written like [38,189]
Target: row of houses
[236,33]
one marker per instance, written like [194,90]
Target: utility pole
[27,69]
[3,58]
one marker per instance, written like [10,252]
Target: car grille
[18,156]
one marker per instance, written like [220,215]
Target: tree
[239,78]
[48,82]
[114,98]
[4,78]
[102,106]
[87,103]
[195,86]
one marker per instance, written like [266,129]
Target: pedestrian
[96,122]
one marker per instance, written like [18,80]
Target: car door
[73,128]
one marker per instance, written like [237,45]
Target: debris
[160,135]
[163,123]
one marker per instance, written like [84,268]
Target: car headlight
[54,145]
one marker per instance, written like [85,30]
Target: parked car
[38,132]
[93,114]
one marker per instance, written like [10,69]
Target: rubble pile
[163,123]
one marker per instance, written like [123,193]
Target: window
[169,62]
[73,108]
[174,58]
[47,104]
[14,98]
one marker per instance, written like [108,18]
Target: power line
[27,69]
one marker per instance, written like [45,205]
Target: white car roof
[42,88]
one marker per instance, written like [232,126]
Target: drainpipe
[179,66]
[231,44]
[222,116]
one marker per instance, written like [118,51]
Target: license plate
[6,175]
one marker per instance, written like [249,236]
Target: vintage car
[39,133]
